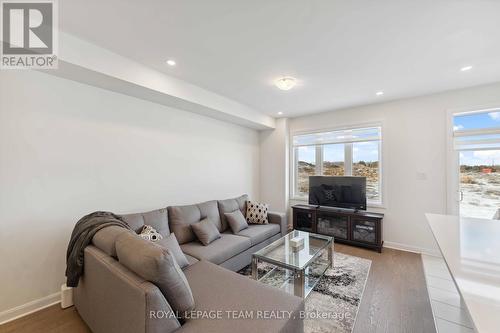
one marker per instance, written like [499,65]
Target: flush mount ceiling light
[379,93]
[171,62]
[466,68]
[280,113]
[286,83]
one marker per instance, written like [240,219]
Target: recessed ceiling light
[379,93]
[171,62]
[280,113]
[286,83]
[466,68]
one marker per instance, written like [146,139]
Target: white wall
[274,166]
[414,142]
[67,149]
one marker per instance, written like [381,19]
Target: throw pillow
[157,265]
[170,242]
[206,231]
[229,206]
[149,233]
[236,221]
[257,212]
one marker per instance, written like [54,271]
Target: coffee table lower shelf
[291,281]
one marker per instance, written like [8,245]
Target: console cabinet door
[364,231]
[333,225]
[304,220]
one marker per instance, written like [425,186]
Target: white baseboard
[26,309]
[410,248]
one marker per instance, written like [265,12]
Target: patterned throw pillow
[257,212]
[149,233]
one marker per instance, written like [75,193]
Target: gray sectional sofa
[111,298]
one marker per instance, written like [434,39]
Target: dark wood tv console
[347,226]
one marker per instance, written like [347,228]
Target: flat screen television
[338,191]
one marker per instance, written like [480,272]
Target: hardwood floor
[395,297]
[49,320]
[395,300]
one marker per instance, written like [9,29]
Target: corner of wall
[274,177]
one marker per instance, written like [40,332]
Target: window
[348,152]
[476,140]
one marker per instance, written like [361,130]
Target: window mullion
[348,159]
[295,171]
[319,160]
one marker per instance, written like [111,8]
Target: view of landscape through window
[365,163]
[306,167]
[479,158]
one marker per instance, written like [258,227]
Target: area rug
[333,304]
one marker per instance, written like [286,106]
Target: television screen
[334,191]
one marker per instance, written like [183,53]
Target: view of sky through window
[477,120]
[307,154]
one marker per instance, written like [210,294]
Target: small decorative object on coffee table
[298,265]
[297,243]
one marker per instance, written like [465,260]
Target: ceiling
[342,52]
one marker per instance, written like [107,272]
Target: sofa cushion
[181,218]
[105,239]
[229,206]
[236,221]
[191,260]
[216,288]
[260,232]
[158,219]
[205,231]
[219,250]
[158,265]
[170,242]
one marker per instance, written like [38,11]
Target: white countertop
[471,249]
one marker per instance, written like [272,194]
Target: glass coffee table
[295,270]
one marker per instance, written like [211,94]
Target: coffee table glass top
[282,253]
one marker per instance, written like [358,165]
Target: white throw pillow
[257,212]
[149,233]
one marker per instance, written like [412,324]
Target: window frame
[348,156]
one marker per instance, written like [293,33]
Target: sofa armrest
[280,219]
[111,298]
